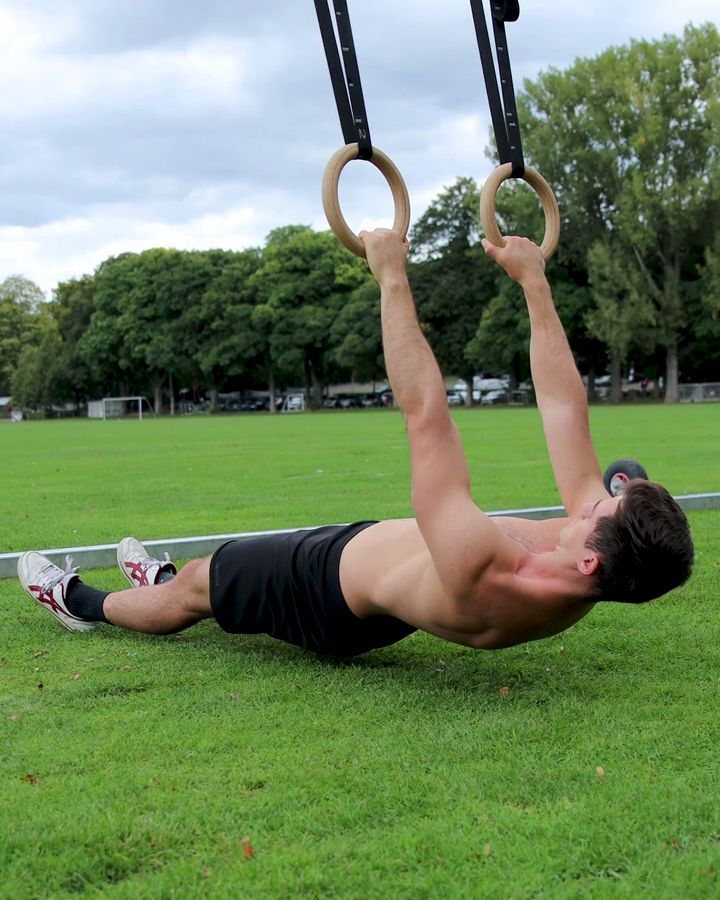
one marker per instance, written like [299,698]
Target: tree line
[630,142]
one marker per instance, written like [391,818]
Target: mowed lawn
[71,483]
[207,765]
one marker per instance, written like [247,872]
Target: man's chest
[536,535]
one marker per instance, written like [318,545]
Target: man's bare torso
[387,569]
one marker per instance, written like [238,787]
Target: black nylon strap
[502,112]
[344,75]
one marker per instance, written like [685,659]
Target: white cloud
[194,125]
[73,247]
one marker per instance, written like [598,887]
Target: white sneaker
[138,566]
[47,584]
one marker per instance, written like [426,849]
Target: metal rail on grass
[103,556]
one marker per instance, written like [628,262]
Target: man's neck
[554,575]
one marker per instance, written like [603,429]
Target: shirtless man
[452,570]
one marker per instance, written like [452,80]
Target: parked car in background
[345,401]
[386,397]
[350,401]
[493,398]
[293,403]
[481,385]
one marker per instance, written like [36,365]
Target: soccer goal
[119,408]
[699,393]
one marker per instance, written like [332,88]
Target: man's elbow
[428,420]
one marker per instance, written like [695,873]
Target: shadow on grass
[596,659]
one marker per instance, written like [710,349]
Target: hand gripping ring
[547,199]
[331,202]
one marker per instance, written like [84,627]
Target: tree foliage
[356,335]
[20,301]
[38,378]
[451,279]
[304,282]
[629,141]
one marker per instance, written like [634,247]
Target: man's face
[574,537]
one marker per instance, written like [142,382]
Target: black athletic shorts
[288,586]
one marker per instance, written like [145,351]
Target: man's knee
[193,579]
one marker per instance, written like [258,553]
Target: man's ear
[588,564]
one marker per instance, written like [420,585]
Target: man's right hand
[386,254]
[521,259]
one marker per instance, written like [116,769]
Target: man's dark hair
[645,549]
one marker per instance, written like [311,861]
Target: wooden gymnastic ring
[331,201]
[547,199]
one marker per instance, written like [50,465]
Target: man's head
[645,549]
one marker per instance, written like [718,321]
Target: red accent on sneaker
[138,573]
[48,599]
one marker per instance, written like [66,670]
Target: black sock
[85,602]
[164,575]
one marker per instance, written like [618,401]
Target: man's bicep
[572,455]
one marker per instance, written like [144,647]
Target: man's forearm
[554,373]
[558,387]
[412,369]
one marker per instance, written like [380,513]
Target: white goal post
[118,408]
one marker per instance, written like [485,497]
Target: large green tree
[156,317]
[701,357]
[101,346]
[39,375]
[629,140]
[305,280]
[227,343]
[356,335]
[622,316]
[72,308]
[20,301]
[146,331]
[519,212]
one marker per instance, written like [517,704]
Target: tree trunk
[171,391]
[468,379]
[271,389]
[214,400]
[157,391]
[615,376]
[317,389]
[591,392]
[671,374]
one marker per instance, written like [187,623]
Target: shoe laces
[52,575]
[149,561]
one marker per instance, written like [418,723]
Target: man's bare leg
[156,609]
[164,608]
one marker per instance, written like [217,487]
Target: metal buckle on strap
[505,10]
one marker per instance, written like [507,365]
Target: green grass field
[206,765]
[69,483]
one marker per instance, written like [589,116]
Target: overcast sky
[128,125]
